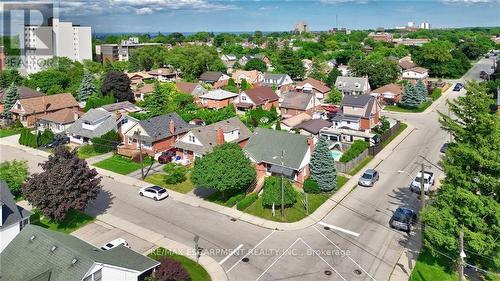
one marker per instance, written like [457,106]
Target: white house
[13,217]
[55,39]
[416,73]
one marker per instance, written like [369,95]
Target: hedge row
[356,149]
[29,139]
[235,199]
[247,201]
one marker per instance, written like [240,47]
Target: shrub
[272,192]
[171,270]
[28,139]
[45,138]
[385,125]
[235,199]
[175,173]
[356,149]
[247,201]
[15,174]
[107,142]
[436,93]
[311,186]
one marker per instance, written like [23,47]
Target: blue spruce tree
[323,166]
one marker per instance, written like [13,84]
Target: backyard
[121,164]
[196,271]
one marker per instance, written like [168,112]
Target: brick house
[29,110]
[311,85]
[215,78]
[389,94]
[24,93]
[201,140]
[217,99]
[294,103]
[360,113]
[262,96]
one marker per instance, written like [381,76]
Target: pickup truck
[428,182]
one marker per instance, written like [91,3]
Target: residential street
[359,245]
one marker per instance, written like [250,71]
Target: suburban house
[389,94]
[313,127]
[214,78]
[316,87]
[291,122]
[141,92]
[58,121]
[244,59]
[340,136]
[201,140]
[262,96]
[293,103]
[14,218]
[416,73]
[217,99]
[276,80]
[24,93]
[229,61]
[251,76]
[277,152]
[164,74]
[138,77]
[29,110]
[406,63]
[37,253]
[381,36]
[156,134]
[188,88]
[358,113]
[94,123]
[353,85]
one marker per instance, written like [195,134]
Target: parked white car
[155,192]
[115,243]
[428,182]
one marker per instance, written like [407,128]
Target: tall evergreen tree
[323,166]
[411,98]
[421,90]
[11,96]
[87,87]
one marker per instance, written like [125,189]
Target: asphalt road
[364,248]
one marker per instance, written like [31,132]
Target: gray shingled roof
[158,127]
[210,76]
[313,126]
[347,83]
[91,116]
[23,91]
[264,144]
[357,101]
[273,76]
[207,135]
[296,100]
[11,213]
[30,257]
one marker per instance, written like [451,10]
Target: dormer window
[191,138]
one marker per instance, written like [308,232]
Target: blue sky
[278,15]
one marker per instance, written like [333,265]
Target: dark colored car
[166,156]
[458,87]
[58,140]
[444,148]
[403,219]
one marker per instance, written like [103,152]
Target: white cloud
[144,11]
[344,1]
[468,2]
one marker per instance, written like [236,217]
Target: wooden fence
[348,166]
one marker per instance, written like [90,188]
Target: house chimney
[220,136]
[310,142]
[171,126]
[75,115]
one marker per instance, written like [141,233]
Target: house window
[191,138]
[88,278]
[18,106]
[98,275]
[348,122]
[243,98]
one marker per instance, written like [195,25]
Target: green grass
[73,220]
[196,271]
[361,165]
[182,187]
[429,267]
[87,151]
[297,211]
[398,108]
[9,132]
[121,164]
[402,127]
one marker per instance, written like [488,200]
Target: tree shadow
[101,204]
[204,193]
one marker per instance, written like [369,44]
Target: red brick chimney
[220,136]
[171,126]
[310,142]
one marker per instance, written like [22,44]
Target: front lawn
[121,164]
[398,108]
[196,271]
[9,132]
[182,187]
[297,211]
[429,267]
[73,220]
[87,151]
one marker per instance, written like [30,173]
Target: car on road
[403,219]
[115,243]
[155,192]
[428,182]
[166,156]
[458,87]
[58,140]
[369,177]
[444,147]
[484,75]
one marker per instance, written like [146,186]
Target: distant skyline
[134,16]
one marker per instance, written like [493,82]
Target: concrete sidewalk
[98,158]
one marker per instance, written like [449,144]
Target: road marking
[339,229]
[322,259]
[347,256]
[286,251]
[251,251]
[230,254]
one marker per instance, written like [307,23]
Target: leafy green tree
[473,49]
[148,57]
[323,166]
[11,96]
[87,87]
[272,192]
[9,76]
[290,63]
[194,60]
[318,71]
[334,96]
[256,64]
[71,182]
[107,142]
[332,77]
[118,84]
[380,70]
[226,169]
[244,85]
[231,86]
[157,102]
[311,186]
[15,173]
[97,100]
[45,137]
[411,98]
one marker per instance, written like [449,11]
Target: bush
[45,138]
[171,270]
[356,149]
[28,139]
[311,186]
[385,125]
[15,174]
[107,142]
[175,173]
[235,199]
[272,192]
[247,201]
[436,93]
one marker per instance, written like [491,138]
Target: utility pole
[422,186]
[282,186]
[140,153]
[462,256]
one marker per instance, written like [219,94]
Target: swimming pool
[336,154]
